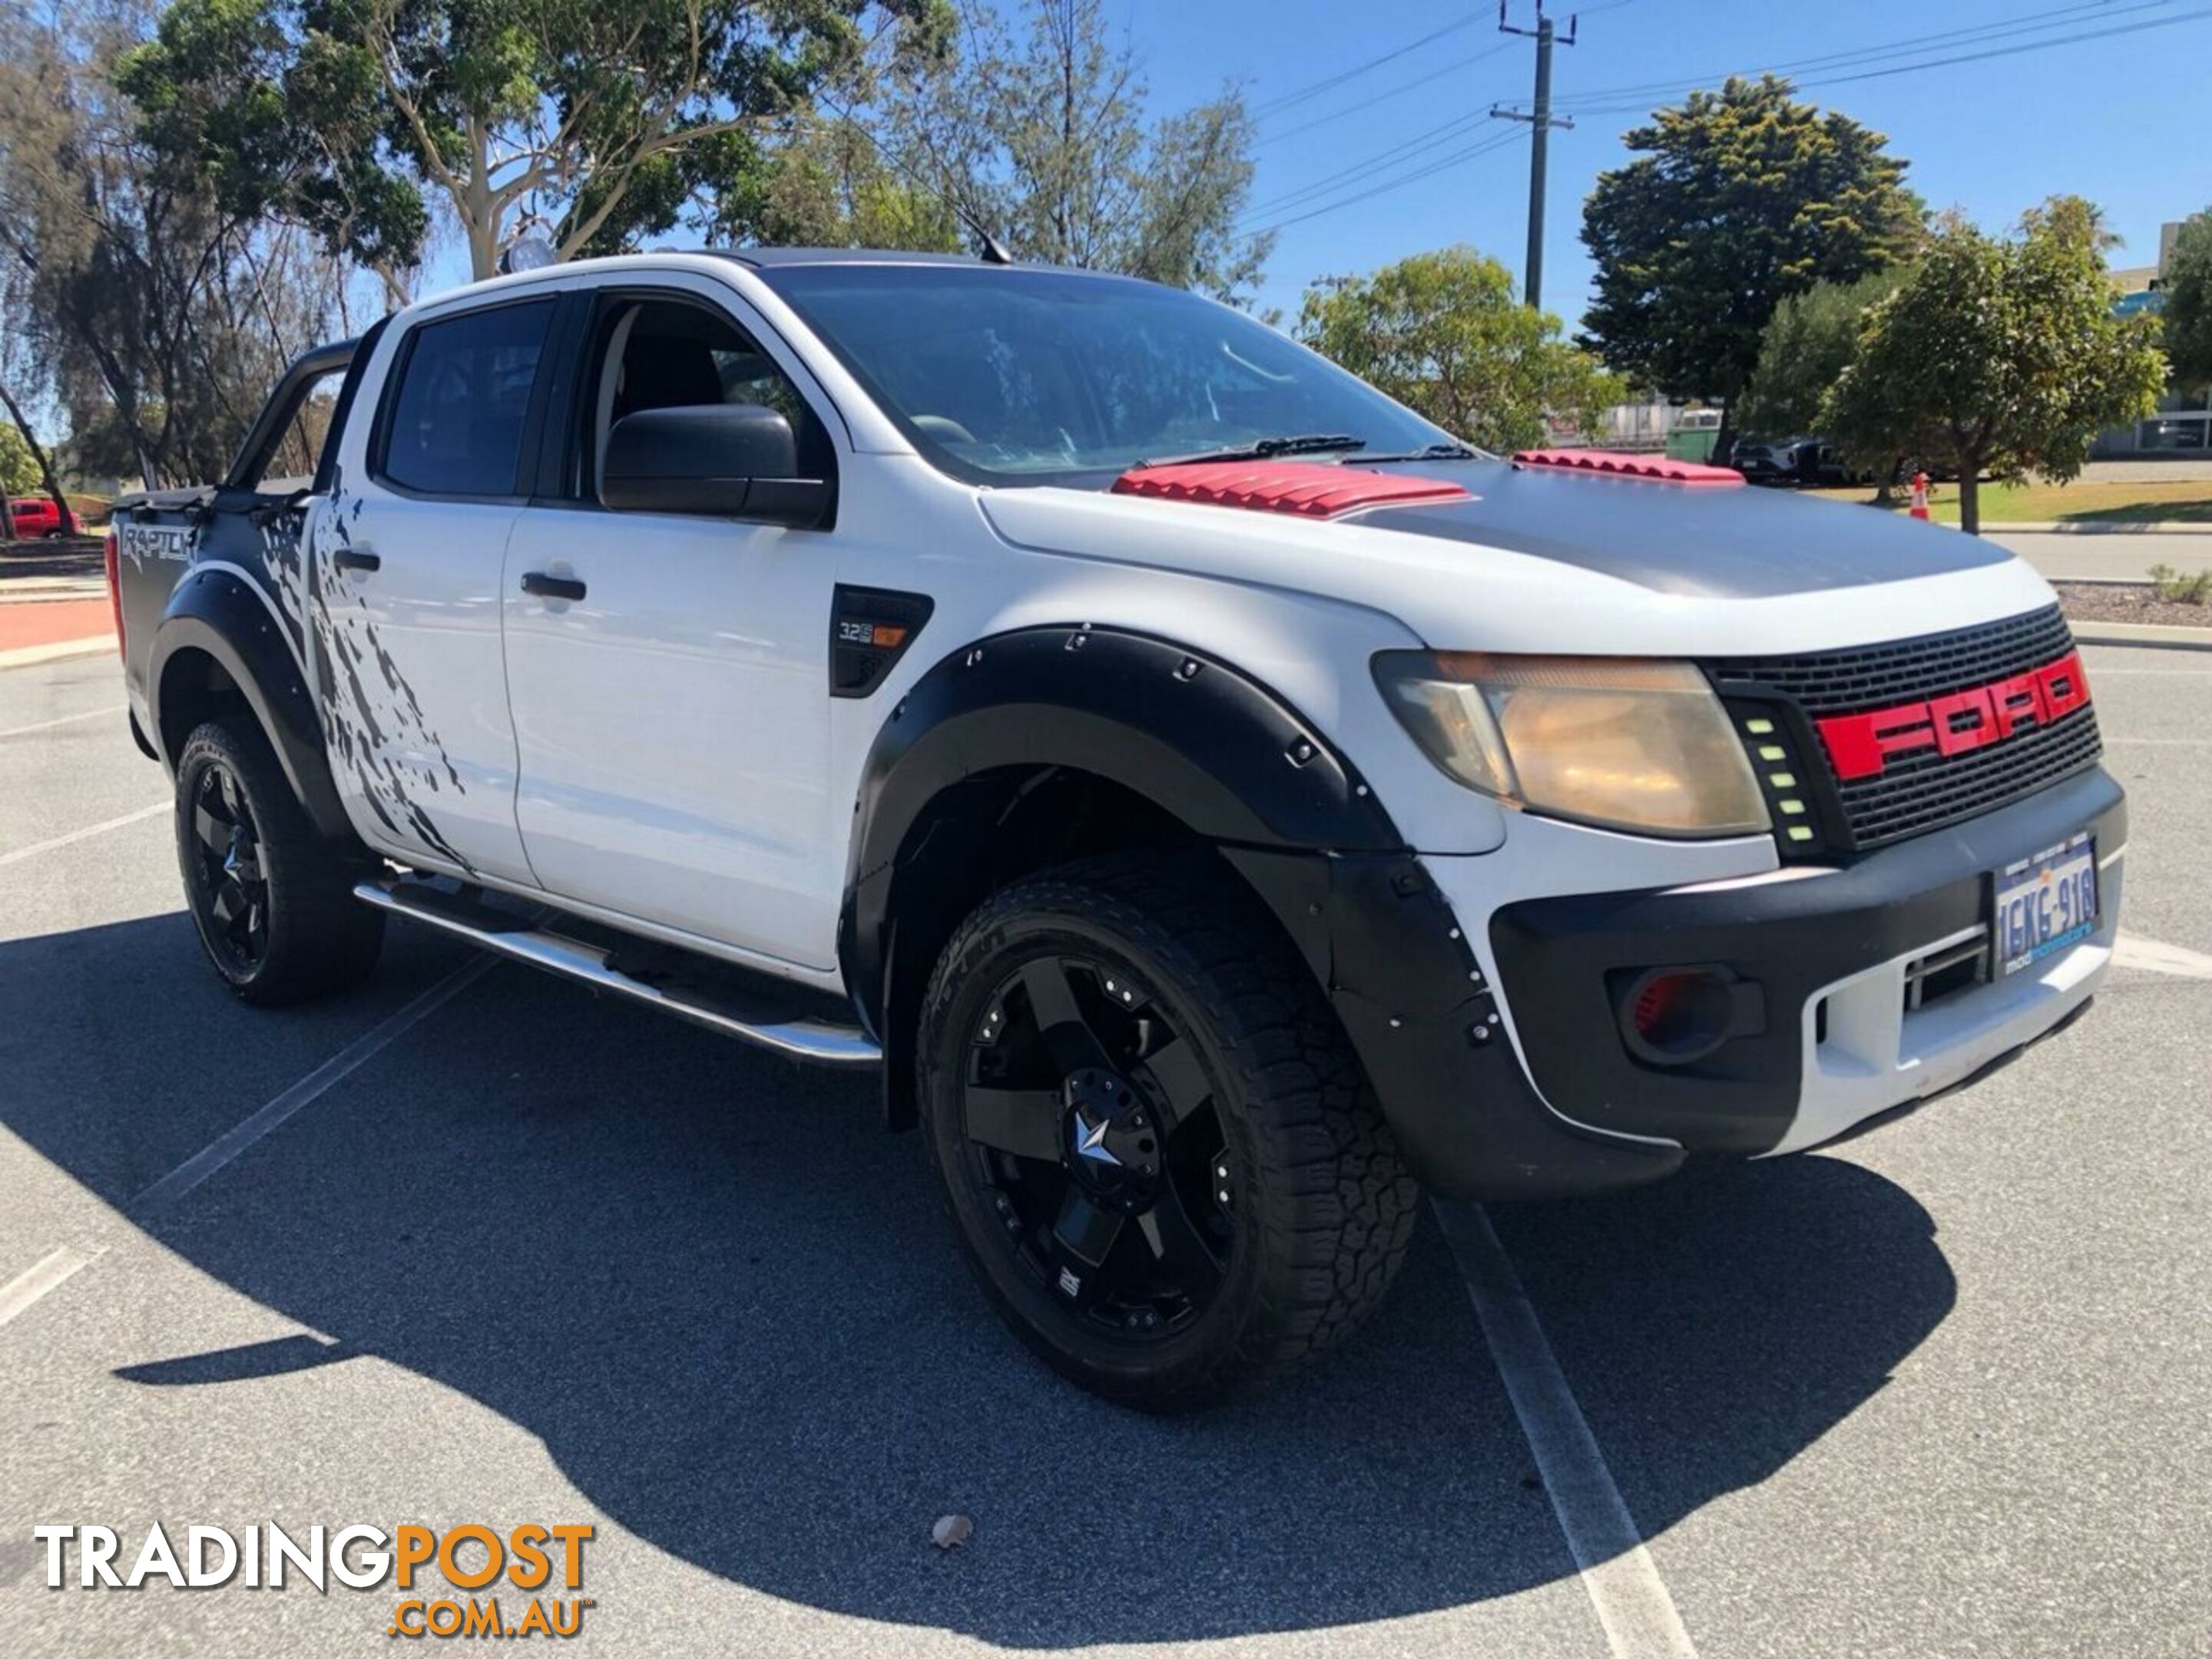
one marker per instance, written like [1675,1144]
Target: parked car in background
[1806,463]
[36,515]
[1762,463]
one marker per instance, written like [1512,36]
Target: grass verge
[2178,500]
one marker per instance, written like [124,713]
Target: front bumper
[1830,954]
[1488,1021]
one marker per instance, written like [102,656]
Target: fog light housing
[1677,1015]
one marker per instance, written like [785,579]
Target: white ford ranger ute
[1221,803]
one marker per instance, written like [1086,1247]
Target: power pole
[1541,119]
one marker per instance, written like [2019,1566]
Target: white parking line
[66,719]
[50,1271]
[2133,951]
[46,1273]
[209,1159]
[87,833]
[1640,1616]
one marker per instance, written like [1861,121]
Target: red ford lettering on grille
[1860,746]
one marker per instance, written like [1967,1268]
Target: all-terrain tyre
[1161,1156]
[271,898]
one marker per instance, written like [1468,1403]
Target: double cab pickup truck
[1219,804]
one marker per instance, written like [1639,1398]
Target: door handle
[351,558]
[552,587]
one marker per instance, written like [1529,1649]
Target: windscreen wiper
[1262,449]
[1432,453]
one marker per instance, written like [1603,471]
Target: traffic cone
[1920,497]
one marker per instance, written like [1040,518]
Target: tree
[1442,333]
[2188,321]
[139,306]
[278,121]
[19,468]
[1809,341]
[1043,135]
[829,184]
[1740,199]
[25,463]
[1999,355]
[600,120]
[27,448]
[19,475]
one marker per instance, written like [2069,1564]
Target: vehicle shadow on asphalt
[730,1307]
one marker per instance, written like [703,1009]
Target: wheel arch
[1032,747]
[218,650]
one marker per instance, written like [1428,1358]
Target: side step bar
[734,1011]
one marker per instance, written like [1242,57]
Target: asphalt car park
[474,1246]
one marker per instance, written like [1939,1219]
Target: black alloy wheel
[1158,1152]
[272,898]
[1091,1124]
[231,892]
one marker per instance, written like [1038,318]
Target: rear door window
[456,420]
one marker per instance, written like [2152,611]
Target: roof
[757,258]
[760,258]
[782,259]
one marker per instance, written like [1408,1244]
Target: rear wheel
[1159,1152]
[272,899]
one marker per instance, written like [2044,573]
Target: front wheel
[1160,1155]
[272,899]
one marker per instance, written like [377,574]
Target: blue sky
[2126,120]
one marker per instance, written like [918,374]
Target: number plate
[2045,904]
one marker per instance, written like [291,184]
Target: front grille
[1922,790]
[1906,670]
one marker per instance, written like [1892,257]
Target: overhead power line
[1373,100]
[1865,64]
[1314,89]
[1868,64]
[2013,51]
[2073,12]
[1426,140]
[1368,192]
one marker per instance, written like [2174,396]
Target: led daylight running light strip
[1770,754]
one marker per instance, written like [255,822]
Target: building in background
[2183,424]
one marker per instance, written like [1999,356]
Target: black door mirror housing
[712,460]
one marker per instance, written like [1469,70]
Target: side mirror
[715,460]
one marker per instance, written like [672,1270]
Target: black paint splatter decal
[378,736]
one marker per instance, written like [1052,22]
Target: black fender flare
[1218,750]
[218,613]
[1241,767]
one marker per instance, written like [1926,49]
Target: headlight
[1621,742]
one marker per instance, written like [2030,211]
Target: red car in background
[36,515]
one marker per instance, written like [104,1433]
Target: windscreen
[1011,376]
